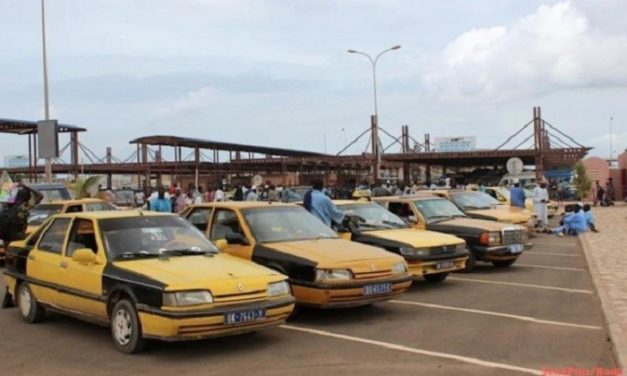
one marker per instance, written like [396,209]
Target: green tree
[582,182]
[83,188]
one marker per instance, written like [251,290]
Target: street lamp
[375,118]
[48,168]
[611,141]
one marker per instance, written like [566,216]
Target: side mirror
[221,244]
[236,238]
[412,219]
[84,256]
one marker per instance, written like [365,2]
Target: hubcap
[122,327]
[25,301]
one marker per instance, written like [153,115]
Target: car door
[226,223]
[81,287]
[45,260]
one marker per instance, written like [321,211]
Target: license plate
[244,316]
[516,248]
[378,289]
[444,265]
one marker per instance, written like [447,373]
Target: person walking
[517,196]
[161,203]
[540,201]
[598,193]
[320,205]
[15,216]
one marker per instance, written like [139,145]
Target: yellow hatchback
[325,271]
[145,275]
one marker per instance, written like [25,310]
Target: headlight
[187,298]
[490,238]
[406,251]
[333,274]
[399,268]
[460,247]
[278,288]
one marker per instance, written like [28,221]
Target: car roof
[242,204]
[75,201]
[408,198]
[112,214]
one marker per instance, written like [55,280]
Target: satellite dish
[257,180]
[514,165]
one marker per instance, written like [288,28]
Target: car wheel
[503,263]
[30,310]
[125,328]
[433,278]
[471,262]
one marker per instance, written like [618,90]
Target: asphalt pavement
[541,313]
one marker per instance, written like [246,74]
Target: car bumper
[346,295]
[193,325]
[497,253]
[420,268]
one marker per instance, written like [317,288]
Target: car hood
[415,238]
[220,273]
[336,253]
[469,225]
[501,215]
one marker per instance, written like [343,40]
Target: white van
[525,178]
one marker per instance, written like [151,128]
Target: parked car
[431,255]
[42,212]
[325,271]
[52,191]
[487,240]
[145,275]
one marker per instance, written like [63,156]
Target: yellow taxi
[145,275]
[325,271]
[431,255]
[503,196]
[496,242]
[481,206]
[42,212]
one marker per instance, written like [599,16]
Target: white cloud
[554,48]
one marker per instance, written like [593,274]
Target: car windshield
[284,223]
[437,210]
[474,200]
[42,212]
[152,236]
[373,217]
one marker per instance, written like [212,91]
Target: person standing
[598,193]
[161,203]
[321,205]
[16,214]
[540,201]
[219,195]
[517,194]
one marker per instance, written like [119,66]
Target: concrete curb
[619,344]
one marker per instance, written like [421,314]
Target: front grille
[514,237]
[443,250]
[247,297]
[378,274]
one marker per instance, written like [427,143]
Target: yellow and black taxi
[145,275]
[481,206]
[490,241]
[431,255]
[324,270]
[42,212]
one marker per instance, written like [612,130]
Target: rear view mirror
[236,238]
[84,256]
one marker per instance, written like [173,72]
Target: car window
[42,212]
[81,236]
[199,217]
[224,222]
[98,206]
[402,209]
[53,238]
[74,209]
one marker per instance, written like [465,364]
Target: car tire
[126,329]
[503,263]
[29,308]
[470,263]
[435,278]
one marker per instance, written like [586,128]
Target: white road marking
[522,285]
[491,313]
[392,346]
[551,254]
[550,267]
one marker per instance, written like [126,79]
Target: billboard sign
[47,132]
[453,144]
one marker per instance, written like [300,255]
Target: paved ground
[605,252]
[541,313]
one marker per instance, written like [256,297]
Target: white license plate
[244,316]
[516,248]
[444,265]
[378,289]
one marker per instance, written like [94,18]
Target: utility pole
[48,168]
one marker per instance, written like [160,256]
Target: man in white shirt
[219,196]
[540,201]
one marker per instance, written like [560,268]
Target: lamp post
[611,142]
[375,119]
[48,168]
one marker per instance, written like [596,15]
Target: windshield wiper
[140,254]
[395,224]
[438,218]
[186,252]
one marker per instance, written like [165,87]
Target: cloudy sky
[277,73]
